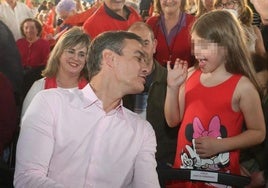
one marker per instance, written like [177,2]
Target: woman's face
[227,4]
[231,5]
[30,30]
[208,4]
[73,60]
[170,6]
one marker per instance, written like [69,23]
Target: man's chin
[138,90]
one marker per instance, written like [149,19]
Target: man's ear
[108,57]
[154,44]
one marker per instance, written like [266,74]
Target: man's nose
[145,68]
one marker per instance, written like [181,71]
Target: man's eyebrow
[141,53]
[146,40]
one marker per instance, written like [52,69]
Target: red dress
[208,112]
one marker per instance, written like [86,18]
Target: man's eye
[146,43]
[139,59]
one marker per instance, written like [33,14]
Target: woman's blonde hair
[69,39]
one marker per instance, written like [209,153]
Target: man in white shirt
[12,13]
[86,138]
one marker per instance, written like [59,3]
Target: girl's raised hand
[178,74]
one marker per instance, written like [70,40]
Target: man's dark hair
[112,40]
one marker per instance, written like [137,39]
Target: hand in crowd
[257,180]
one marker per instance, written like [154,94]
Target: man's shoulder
[132,116]
[161,72]
[136,121]
[97,14]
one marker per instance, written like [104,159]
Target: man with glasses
[228,4]
[86,138]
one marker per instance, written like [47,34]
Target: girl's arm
[175,80]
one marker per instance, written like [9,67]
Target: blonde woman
[66,65]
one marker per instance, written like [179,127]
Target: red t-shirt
[101,21]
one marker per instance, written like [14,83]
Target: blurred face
[30,30]
[65,14]
[115,5]
[128,67]
[227,4]
[170,6]
[210,55]
[73,60]
[208,4]
[149,48]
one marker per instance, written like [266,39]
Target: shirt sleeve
[35,145]
[145,174]
[36,87]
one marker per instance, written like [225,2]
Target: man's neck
[121,14]
[107,93]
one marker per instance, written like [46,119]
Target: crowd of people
[103,94]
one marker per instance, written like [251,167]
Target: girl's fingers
[168,66]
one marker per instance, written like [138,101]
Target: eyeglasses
[229,4]
[72,53]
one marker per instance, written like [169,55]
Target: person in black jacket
[150,103]
[10,62]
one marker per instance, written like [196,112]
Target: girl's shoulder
[245,87]
[191,70]
[245,83]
